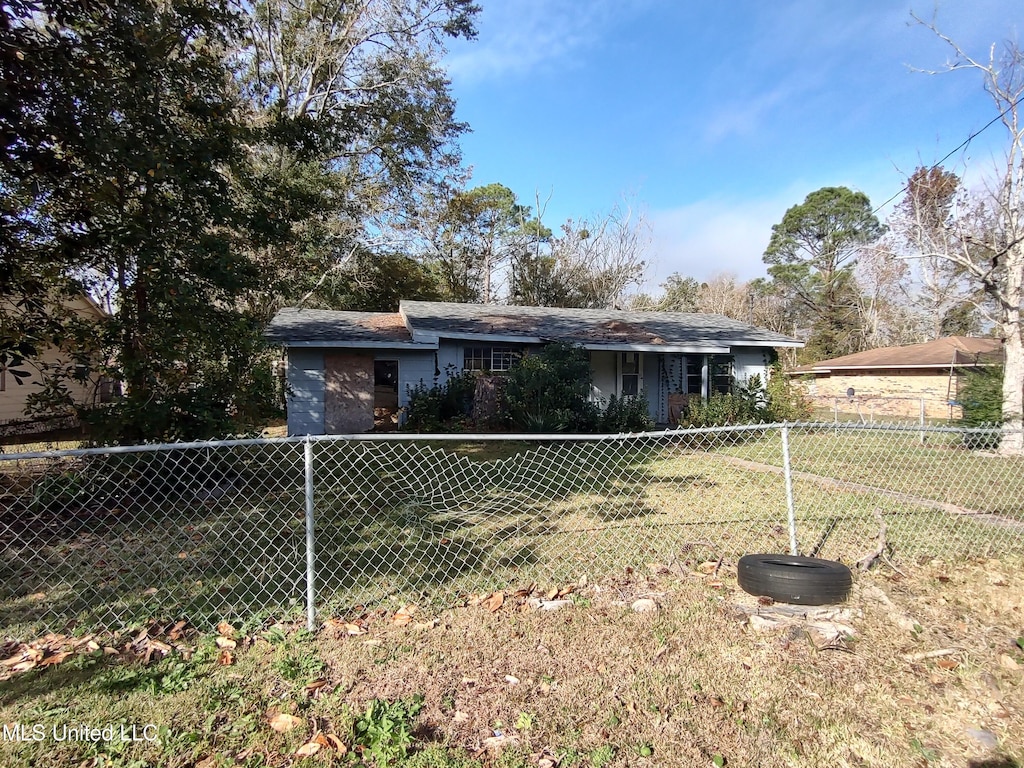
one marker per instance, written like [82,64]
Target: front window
[630,373]
[489,358]
[694,374]
[721,374]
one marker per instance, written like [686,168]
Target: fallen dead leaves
[283,722]
[147,645]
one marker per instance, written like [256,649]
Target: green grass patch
[116,540]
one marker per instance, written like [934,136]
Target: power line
[953,151]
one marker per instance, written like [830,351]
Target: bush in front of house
[549,391]
[779,398]
[626,414]
[754,402]
[720,410]
[981,397]
[441,407]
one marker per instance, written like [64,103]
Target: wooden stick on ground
[878,552]
[931,654]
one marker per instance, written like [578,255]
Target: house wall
[651,386]
[307,385]
[750,362]
[414,369]
[14,396]
[348,398]
[306,389]
[885,393]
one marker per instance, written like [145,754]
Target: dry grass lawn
[922,668]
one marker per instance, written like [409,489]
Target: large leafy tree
[945,298]
[678,294]
[811,256]
[359,129]
[593,262]
[128,196]
[33,62]
[198,164]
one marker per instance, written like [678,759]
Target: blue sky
[714,118]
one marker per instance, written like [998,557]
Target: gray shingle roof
[292,325]
[585,326]
[420,323]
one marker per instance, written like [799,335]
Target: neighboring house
[341,365]
[895,381]
[14,395]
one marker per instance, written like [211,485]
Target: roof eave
[336,344]
[685,348]
[944,367]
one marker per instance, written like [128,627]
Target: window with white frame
[722,374]
[489,358]
[630,376]
[694,374]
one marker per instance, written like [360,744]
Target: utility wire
[953,151]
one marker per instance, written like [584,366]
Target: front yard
[922,667]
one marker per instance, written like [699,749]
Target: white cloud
[714,236]
[745,117]
[517,37]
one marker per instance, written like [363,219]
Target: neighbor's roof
[421,324]
[942,353]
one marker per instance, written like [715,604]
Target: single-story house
[895,381]
[341,365]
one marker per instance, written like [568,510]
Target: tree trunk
[1012,443]
[487,400]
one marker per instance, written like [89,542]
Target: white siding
[651,385]
[449,353]
[305,392]
[749,362]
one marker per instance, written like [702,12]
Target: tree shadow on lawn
[224,565]
[363,556]
[383,475]
[121,540]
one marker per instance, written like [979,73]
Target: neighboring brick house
[894,381]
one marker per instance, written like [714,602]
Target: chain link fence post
[310,537]
[788,474]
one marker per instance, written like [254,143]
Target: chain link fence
[253,529]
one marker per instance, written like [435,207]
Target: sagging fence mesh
[243,530]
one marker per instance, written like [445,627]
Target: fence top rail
[462,437]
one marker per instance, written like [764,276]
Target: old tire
[795,579]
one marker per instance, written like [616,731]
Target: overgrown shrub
[721,410]
[982,397]
[549,391]
[783,399]
[982,401]
[442,407]
[753,402]
[626,414]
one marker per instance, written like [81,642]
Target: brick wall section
[886,393]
